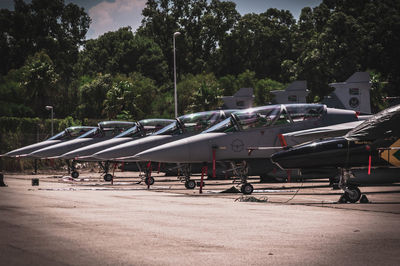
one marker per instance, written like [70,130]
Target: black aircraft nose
[324,153]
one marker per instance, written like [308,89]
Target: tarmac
[88,221]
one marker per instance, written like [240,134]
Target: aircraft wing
[302,136]
[297,137]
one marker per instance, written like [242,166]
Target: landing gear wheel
[190,184]
[108,177]
[247,189]
[74,174]
[352,194]
[149,181]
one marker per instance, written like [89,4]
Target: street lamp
[175,97]
[49,107]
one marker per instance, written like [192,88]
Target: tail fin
[242,99]
[296,92]
[353,94]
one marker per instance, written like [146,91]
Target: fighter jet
[104,131]
[65,135]
[184,126]
[260,126]
[373,145]
[140,129]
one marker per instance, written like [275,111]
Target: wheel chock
[342,199]
[35,181]
[2,184]
[364,199]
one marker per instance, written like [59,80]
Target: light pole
[49,107]
[175,96]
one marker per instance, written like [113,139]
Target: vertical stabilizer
[242,99]
[353,94]
[296,92]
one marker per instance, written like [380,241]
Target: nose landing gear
[351,193]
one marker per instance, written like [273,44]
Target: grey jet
[63,136]
[229,140]
[140,129]
[370,152]
[184,126]
[104,131]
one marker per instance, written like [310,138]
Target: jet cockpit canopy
[108,129]
[71,133]
[144,127]
[195,122]
[264,116]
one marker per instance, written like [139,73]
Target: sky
[110,15]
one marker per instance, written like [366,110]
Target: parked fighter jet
[261,126]
[140,129]
[184,126]
[373,144]
[104,131]
[65,135]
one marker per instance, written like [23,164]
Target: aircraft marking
[392,156]
[237,145]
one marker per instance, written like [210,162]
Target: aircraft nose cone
[59,149]
[28,149]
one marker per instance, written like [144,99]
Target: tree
[47,25]
[203,26]
[92,95]
[198,93]
[258,42]
[130,96]
[39,80]
[122,52]
[13,95]
[263,95]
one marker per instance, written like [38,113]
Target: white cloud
[110,16]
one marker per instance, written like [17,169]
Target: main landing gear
[72,169]
[106,168]
[186,171]
[146,177]
[351,193]
[241,170]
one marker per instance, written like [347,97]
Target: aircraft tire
[149,181]
[108,177]
[354,196]
[74,174]
[190,184]
[247,189]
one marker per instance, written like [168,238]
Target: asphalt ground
[87,221]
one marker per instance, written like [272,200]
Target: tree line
[122,74]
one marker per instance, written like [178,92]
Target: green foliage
[69,121]
[263,89]
[228,85]
[198,93]
[122,52]
[203,25]
[125,74]
[91,96]
[13,95]
[247,79]
[130,96]
[48,25]
[39,80]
